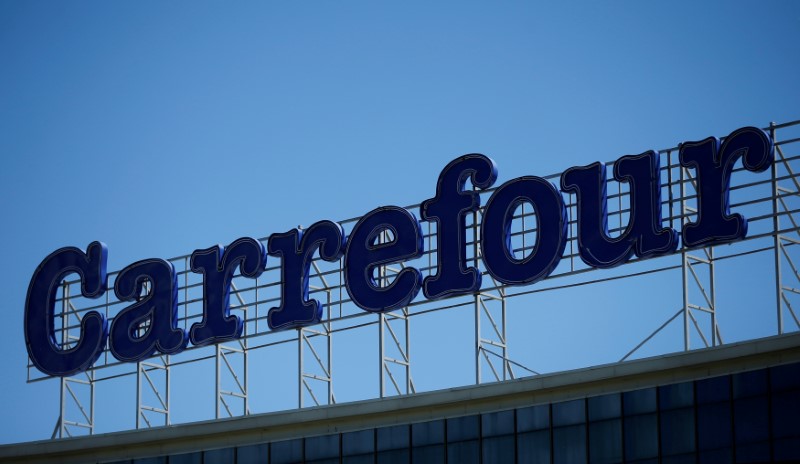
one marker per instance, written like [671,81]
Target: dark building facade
[735,403]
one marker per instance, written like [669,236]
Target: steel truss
[315,379]
[491,343]
[76,410]
[231,368]
[394,355]
[785,192]
[772,202]
[697,268]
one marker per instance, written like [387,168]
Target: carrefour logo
[151,285]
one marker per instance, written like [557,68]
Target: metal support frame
[697,267]
[491,346]
[698,287]
[785,190]
[312,375]
[231,366]
[698,278]
[394,355]
[775,232]
[491,343]
[76,410]
[315,379]
[152,392]
[73,397]
[152,386]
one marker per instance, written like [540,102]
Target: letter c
[46,353]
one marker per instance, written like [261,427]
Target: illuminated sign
[151,285]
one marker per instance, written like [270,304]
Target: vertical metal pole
[167,419]
[506,366]
[712,296]
[685,265]
[218,380]
[328,330]
[300,368]
[477,303]
[381,322]
[382,355]
[776,227]
[138,394]
[64,324]
[408,352]
[62,411]
[91,401]
[246,363]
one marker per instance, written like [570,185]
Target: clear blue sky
[160,128]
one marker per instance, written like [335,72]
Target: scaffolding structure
[770,201]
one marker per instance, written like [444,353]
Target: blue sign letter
[713,167]
[296,249]
[44,350]
[217,266]
[365,254]
[551,232]
[449,209]
[150,324]
[644,234]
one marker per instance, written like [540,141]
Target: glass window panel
[358,459]
[286,452]
[498,449]
[497,423]
[639,401]
[688,458]
[785,377]
[323,461]
[153,460]
[713,390]
[361,442]
[188,458]
[677,431]
[717,456]
[534,447]
[533,418]
[787,449]
[396,437]
[253,454]
[786,414]
[464,452]
[219,455]
[749,383]
[714,426]
[641,437]
[675,396]
[569,444]
[326,446]
[463,428]
[750,419]
[429,453]
[569,412]
[753,452]
[605,407]
[427,433]
[605,441]
[396,456]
